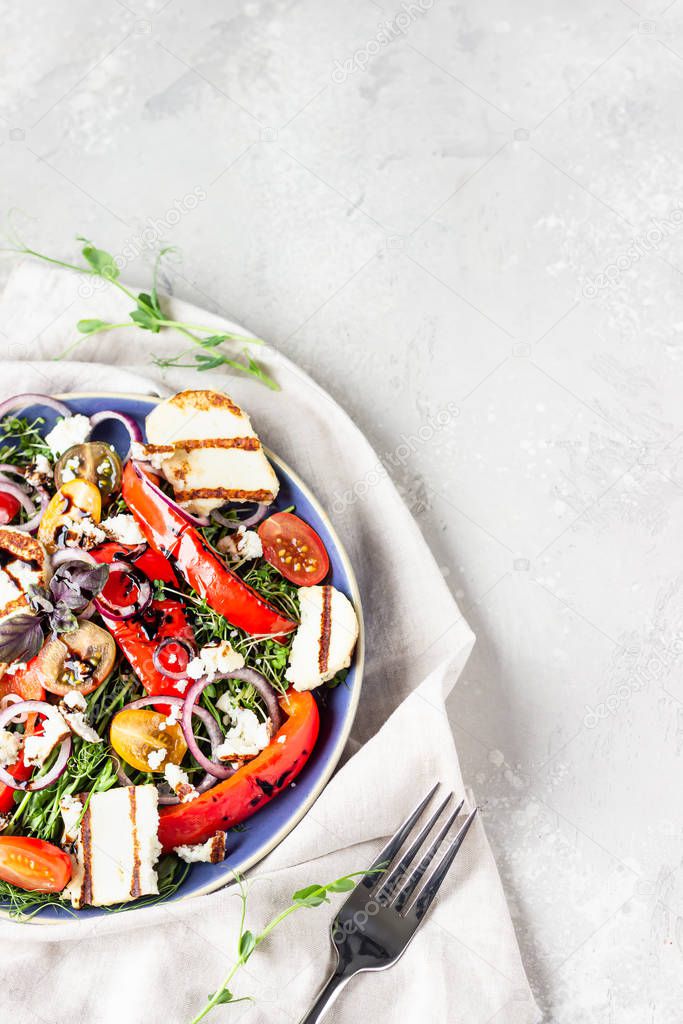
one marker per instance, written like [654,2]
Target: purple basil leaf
[40,599]
[21,637]
[65,593]
[80,576]
[63,620]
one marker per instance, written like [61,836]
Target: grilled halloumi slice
[324,642]
[23,562]
[208,451]
[116,848]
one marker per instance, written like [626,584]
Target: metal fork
[376,923]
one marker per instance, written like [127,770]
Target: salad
[162,629]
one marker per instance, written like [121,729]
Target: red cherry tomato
[294,549]
[9,506]
[33,864]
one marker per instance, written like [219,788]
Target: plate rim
[359,665]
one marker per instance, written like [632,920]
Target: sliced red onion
[219,771]
[187,516]
[22,401]
[6,467]
[119,613]
[233,524]
[211,727]
[35,514]
[133,428]
[160,667]
[7,701]
[71,555]
[34,707]
[267,693]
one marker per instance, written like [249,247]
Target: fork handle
[327,995]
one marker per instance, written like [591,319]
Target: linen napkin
[158,964]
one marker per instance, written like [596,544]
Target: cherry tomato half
[94,461]
[74,661]
[136,733]
[33,864]
[9,506]
[73,501]
[294,549]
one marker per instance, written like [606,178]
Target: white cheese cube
[117,848]
[324,642]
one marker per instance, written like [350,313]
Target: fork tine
[388,853]
[395,877]
[424,900]
[417,873]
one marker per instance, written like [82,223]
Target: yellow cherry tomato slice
[74,500]
[137,736]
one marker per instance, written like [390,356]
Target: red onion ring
[211,727]
[187,647]
[219,771]
[7,701]
[245,675]
[35,514]
[71,555]
[233,524]
[22,401]
[37,707]
[133,428]
[265,691]
[6,467]
[187,516]
[120,613]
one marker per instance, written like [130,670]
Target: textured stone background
[466,221]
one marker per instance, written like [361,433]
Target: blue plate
[269,826]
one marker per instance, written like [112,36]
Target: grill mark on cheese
[247,444]
[325,630]
[204,400]
[228,493]
[217,848]
[86,895]
[135,889]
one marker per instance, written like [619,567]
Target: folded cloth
[159,963]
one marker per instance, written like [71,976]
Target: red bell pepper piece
[23,684]
[170,534]
[252,786]
[19,771]
[138,638]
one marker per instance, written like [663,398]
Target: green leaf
[91,326]
[342,885]
[247,945]
[103,263]
[209,362]
[311,896]
[224,996]
[213,341]
[145,320]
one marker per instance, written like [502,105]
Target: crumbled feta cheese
[10,743]
[242,544]
[282,739]
[213,660]
[180,783]
[37,748]
[220,658]
[41,473]
[210,852]
[195,668]
[17,666]
[72,708]
[68,432]
[74,700]
[124,529]
[247,736]
[173,716]
[156,758]
[84,533]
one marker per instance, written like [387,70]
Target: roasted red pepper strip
[206,573]
[138,638]
[252,786]
[19,771]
